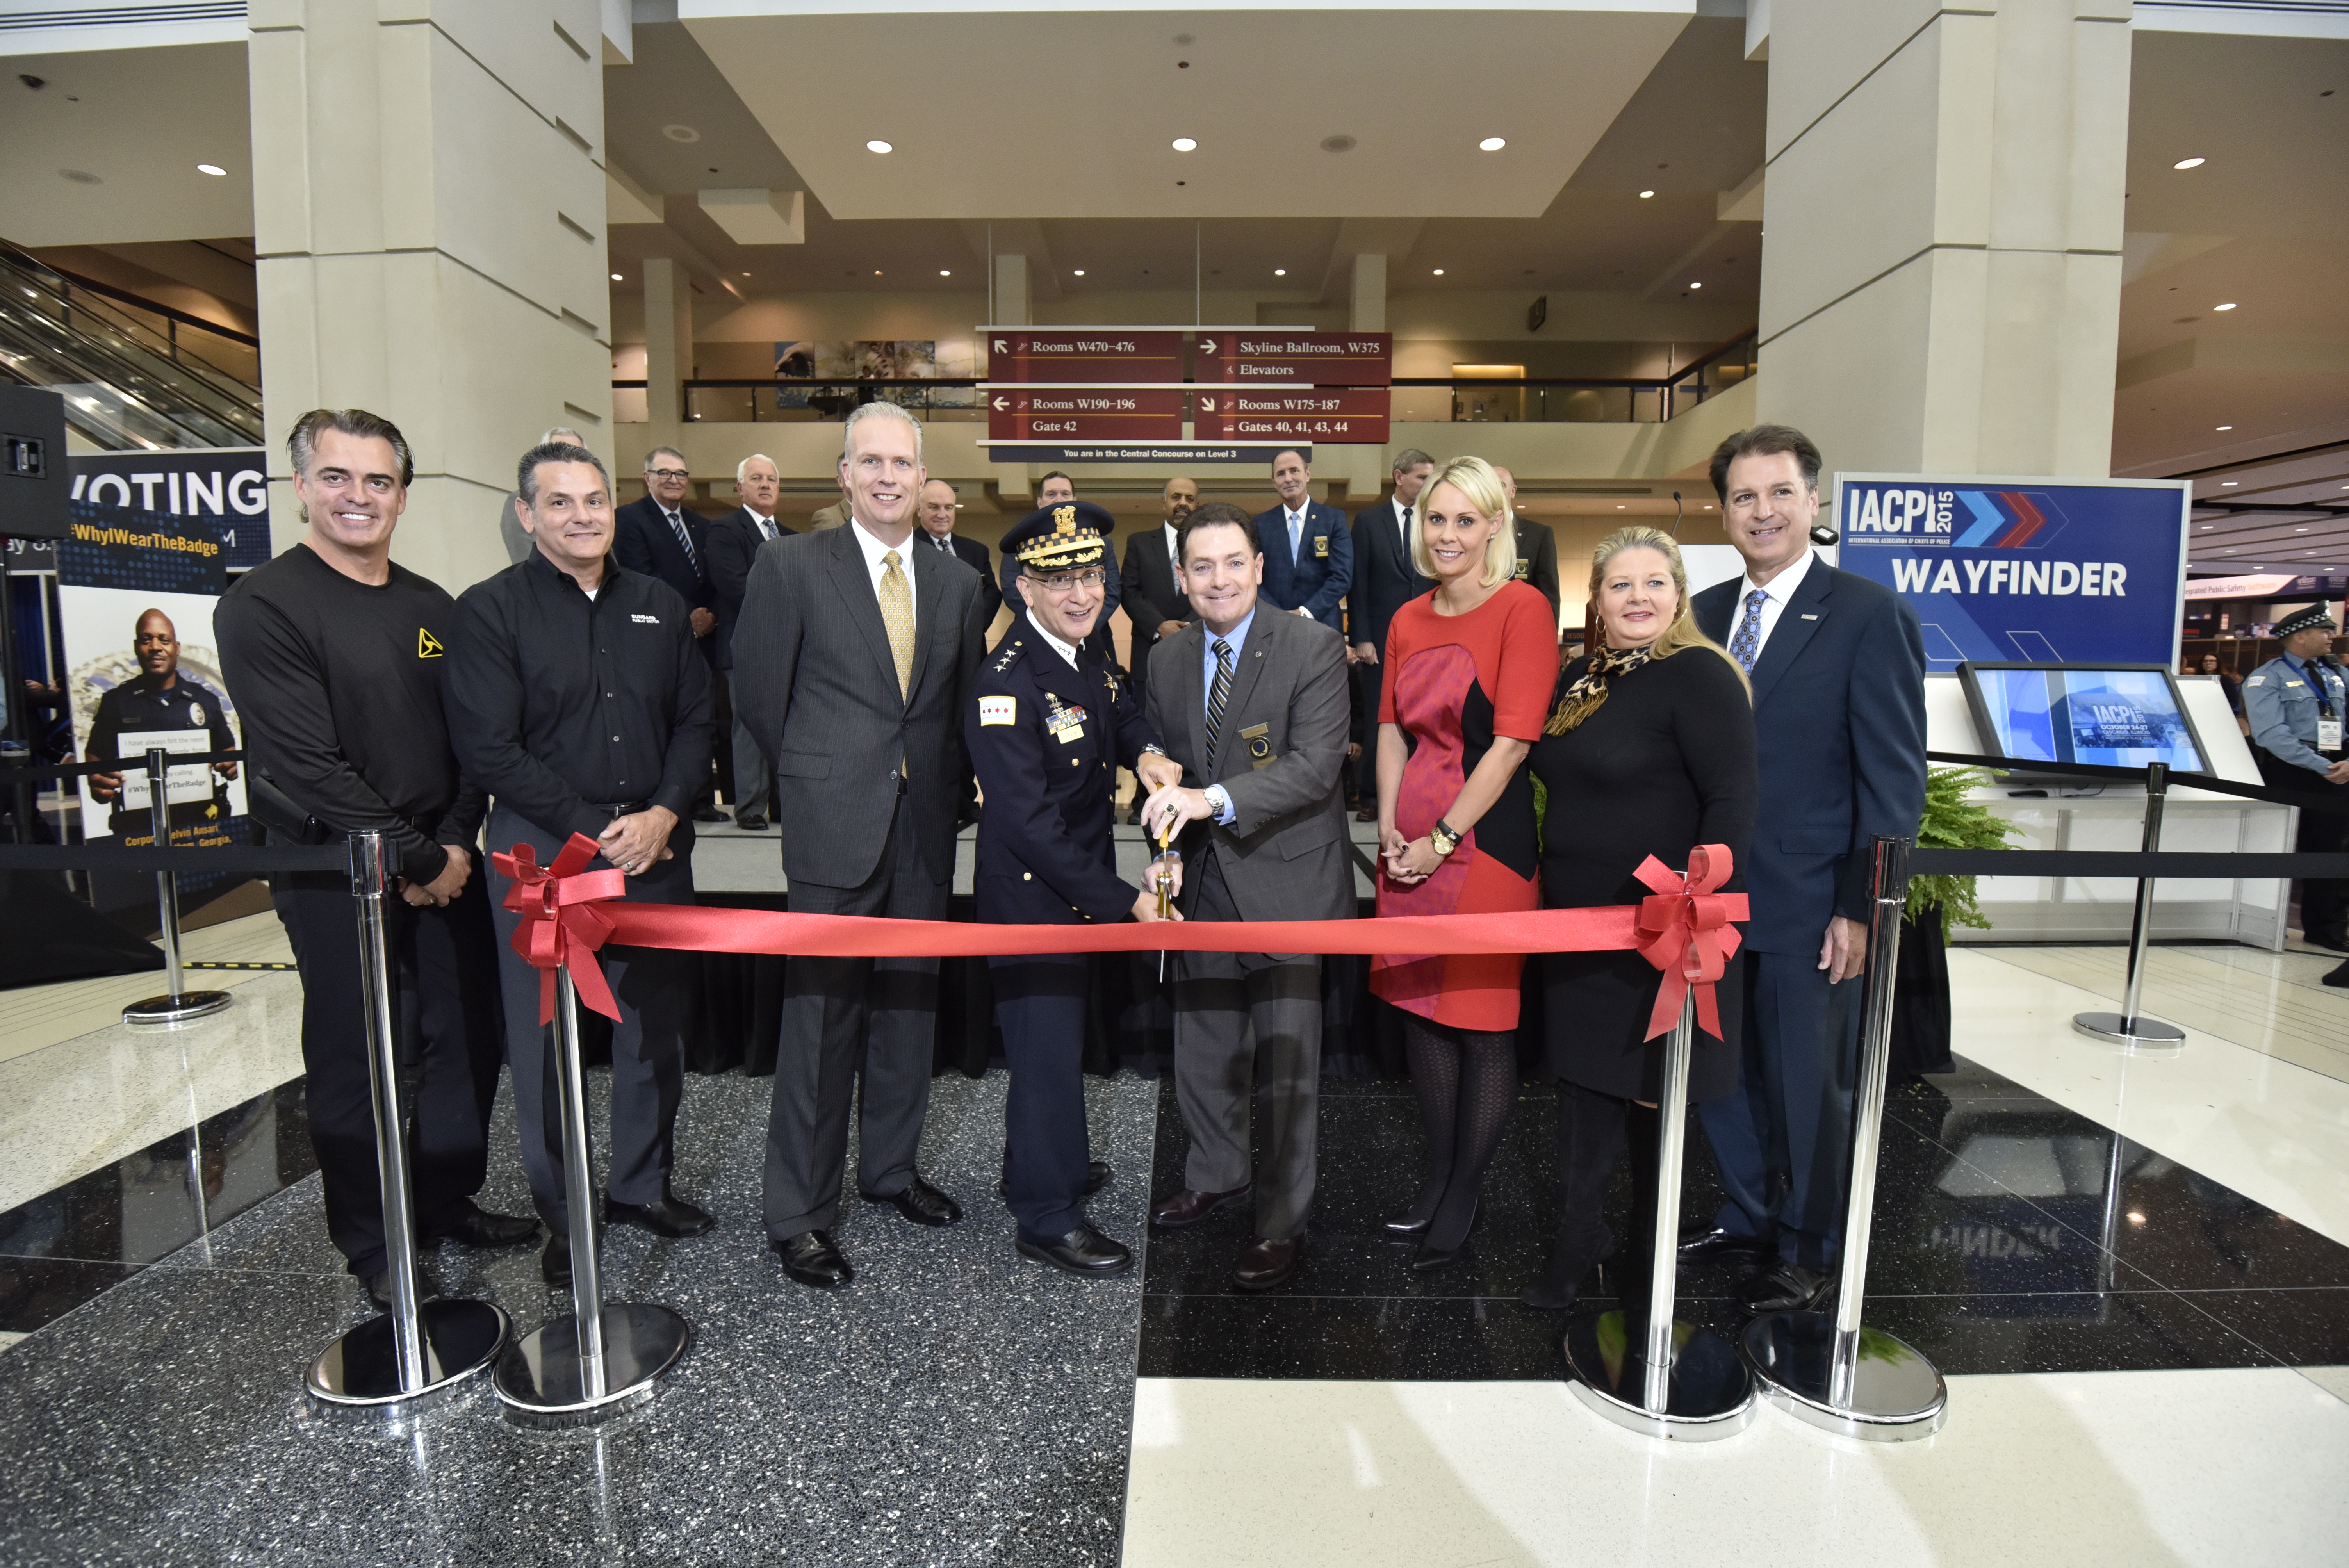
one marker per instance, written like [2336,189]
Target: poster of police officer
[135,595]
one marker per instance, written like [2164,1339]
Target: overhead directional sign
[1182,453]
[1270,355]
[1084,414]
[1295,413]
[1083,353]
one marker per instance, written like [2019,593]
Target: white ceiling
[1061,116]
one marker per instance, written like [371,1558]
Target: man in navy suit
[1309,555]
[1839,670]
[732,544]
[1384,582]
[658,537]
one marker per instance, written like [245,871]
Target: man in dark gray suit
[1253,705]
[851,660]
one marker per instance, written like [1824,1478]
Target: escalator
[136,375]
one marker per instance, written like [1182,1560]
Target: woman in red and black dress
[1468,671]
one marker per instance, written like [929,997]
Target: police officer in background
[159,698]
[579,700]
[2294,704]
[335,655]
[1048,724]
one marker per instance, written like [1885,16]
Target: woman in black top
[1649,750]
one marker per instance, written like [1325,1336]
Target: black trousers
[1368,680]
[1039,1001]
[2324,900]
[445,1030]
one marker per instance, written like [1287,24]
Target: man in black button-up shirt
[578,698]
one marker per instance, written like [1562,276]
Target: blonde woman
[1468,671]
[1649,750]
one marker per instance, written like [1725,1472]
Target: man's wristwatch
[1443,837]
[1219,799]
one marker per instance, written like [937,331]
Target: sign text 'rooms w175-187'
[2032,570]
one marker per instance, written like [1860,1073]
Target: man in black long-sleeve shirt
[578,698]
[334,656]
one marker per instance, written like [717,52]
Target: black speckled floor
[957,1406]
[2002,1244]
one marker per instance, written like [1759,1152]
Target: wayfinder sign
[2080,572]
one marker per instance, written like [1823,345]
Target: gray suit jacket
[814,681]
[1284,855]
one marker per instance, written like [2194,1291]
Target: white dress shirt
[1173,547]
[874,551]
[1402,524]
[1068,651]
[766,524]
[1776,594]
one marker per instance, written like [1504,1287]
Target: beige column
[428,211]
[1941,269]
[668,353]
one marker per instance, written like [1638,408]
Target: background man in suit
[1153,594]
[1254,709]
[517,538]
[658,537]
[852,657]
[1384,582]
[1838,671]
[1537,546]
[939,504]
[734,541]
[831,515]
[1308,556]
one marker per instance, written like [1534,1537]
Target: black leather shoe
[554,1262]
[1560,1280]
[751,822]
[921,1202]
[709,814]
[811,1258]
[1097,1175]
[1789,1287]
[2339,976]
[1083,1251]
[1190,1206]
[1425,1259]
[672,1216]
[1715,1245]
[468,1224]
[378,1287]
[1267,1262]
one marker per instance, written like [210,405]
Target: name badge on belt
[2328,735]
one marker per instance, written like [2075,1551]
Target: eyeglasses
[1068,583]
[669,473]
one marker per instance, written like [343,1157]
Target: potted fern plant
[1937,904]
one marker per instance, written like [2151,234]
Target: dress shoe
[811,1258]
[1425,1259]
[554,1262]
[1789,1287]
[1097,1174]
[1267,1262]
[751,822]
[2336,941]
[2339,976]
[378,1286]
[670,1216]
[1560,1280]
[1715,1245]
[920,1202]
[468,1224]
[1083,1251]
[709,814]
[1190,1206]
[1367,814]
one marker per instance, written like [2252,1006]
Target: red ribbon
[1682,930]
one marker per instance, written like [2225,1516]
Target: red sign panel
[1123,413]
[1296,414]
[1273,354]
[1085,354]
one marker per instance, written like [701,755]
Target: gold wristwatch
[1443,838]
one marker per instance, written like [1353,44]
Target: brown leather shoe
[1189,1207]
[1267,1262]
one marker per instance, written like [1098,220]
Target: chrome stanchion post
[2130,1029]
[178,1005]
[606,1357]
[420,1352]
[1831,1372]
[1686,1383]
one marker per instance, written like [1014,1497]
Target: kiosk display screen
[2118,715]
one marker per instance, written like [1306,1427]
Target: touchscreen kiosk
[2118,715]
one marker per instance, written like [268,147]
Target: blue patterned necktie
[1747,645]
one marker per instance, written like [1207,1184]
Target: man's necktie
[1296,534]
[897,614]
[686,539]
[1406,533]
[1746,645]
[1216,697]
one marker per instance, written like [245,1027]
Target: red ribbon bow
[1684,931]
[561,927]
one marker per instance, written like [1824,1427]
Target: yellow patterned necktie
[897,614]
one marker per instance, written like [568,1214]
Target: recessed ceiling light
[2209,526]
[1696,285]
[945,271]
[746,274]
[2224,427]
[2188,163]
[2228,305]
[681,133]
[616,278]
[1439,272]
[1281,271]
[211,168]
[1645,194]
[1081,272]
[2226,484]
[877,272]
[1184,144]
[1492,144]
[877,145]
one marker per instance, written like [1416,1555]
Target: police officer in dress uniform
[2294,703]
[1047,726]
[159,697]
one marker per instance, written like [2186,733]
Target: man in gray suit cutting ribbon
[852,655]
[1254,707]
